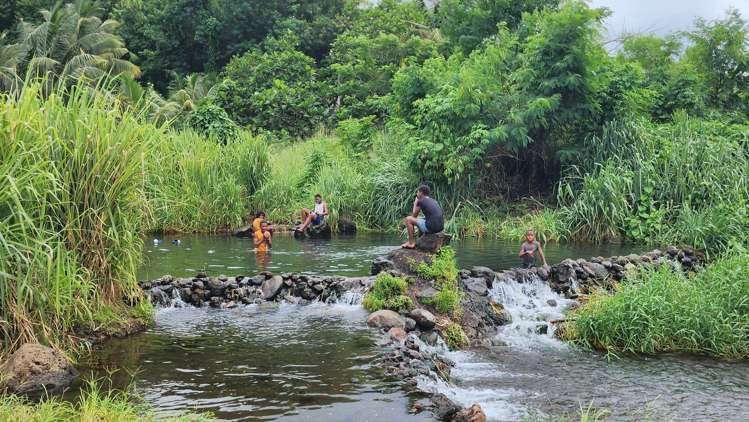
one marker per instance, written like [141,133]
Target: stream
[316,362]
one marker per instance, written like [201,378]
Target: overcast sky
[664,16]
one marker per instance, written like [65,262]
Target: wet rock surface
[34,370]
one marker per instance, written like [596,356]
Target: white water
[530,304]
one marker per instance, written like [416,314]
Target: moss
[446,301]
[388,292]
[455,337]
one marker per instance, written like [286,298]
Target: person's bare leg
[305,214]
[307,222]
[410,222]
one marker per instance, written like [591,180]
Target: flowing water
[534,373]
[316,362]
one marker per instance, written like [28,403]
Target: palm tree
[11,57]
[71,42]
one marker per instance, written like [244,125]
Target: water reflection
[341,255]
[258,363]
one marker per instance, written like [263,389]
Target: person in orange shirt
[262,238]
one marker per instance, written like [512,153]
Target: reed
[662,310]
[71,201]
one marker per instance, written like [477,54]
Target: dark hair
[317,195]
[259,213]
[424,189]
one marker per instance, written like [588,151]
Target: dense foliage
[662,310]
[388,292]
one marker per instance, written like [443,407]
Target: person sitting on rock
[433,221]
[528,250]
[315,217]
[262,239]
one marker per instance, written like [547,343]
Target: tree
[11,57]
[275,90]
[466,23]
[720,54]
[71,42]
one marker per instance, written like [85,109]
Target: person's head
[422,191]
[260,214]
[264,225]
[318,198]
[530,235]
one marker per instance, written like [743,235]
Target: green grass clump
[92,405]
[444,271]
[388,292]
[661,310]
[71,211]
[455,337]
[197,184]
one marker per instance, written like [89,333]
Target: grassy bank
[661,310]
[92,405]
[71,208]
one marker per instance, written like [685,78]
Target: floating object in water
[157,241]
[176,241]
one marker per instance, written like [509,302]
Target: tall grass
[661,310]
[195,184]
[692,175]
[71,202]
[93,405]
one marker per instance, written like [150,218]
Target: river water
[316,362]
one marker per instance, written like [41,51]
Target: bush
[447,300]
[356,133]
[388,292]
[444,271]
[211,120]
[661,310]
[455,337]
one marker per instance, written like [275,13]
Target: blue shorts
[318,219]
[422,225]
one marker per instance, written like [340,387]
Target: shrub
[356,133]
[444,270]
[661,310]
[455,337]
[388,292]
[211,120]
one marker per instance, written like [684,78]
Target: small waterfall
[351,298]
[532,305]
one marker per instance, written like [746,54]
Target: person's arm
[521,253]
[325,208]
[269,239]
[256,242]
[541,252]
[416,209]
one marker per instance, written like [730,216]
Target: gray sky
[664,16]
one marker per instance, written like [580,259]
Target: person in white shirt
[315,217]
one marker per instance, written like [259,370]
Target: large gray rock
[424,319]
[432,242]
[403,261]
[387,319]
[476,285]
[34,370]
[271,287]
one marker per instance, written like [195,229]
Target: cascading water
[532,306]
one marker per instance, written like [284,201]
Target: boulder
[244,231]
[397,334]
[319,231]
[216,286]
[424,319]
[476,285]
[401,261]
[429,337]
[271,287]
[386,318]
[425,293]
[410,324]
[443,408]
[470,414]
[432,242]
[346,226]
[34,370]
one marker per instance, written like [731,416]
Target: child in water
[529,248]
